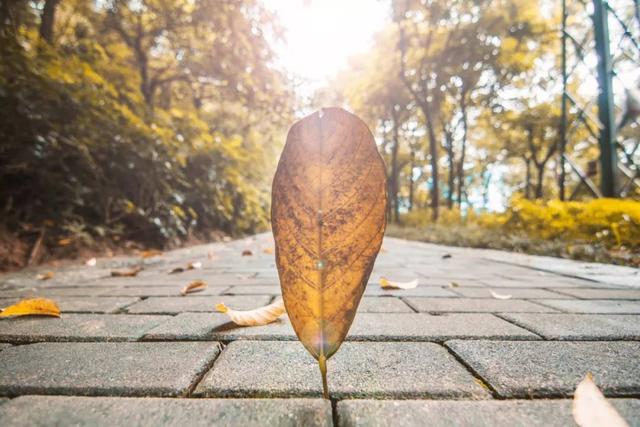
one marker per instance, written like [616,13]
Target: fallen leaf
[189,266]
[454,285]
[195,286]
[247,252]
[328,215]
[46,276]
[259,316]
[92,262]
[268,250]
[246,276]
[126,273]
[211,255]
[388,284]
[499,296]
[592,409]
[446,256]
[32,307]
[150,253]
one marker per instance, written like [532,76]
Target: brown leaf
[32,307]
[195,286]
[259,316]
[127,273]
[592,409]
[268,250]
[46,276]
[499,296]
[150,253]
[189,266]
[247,252]
[328,218]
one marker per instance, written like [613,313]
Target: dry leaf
[189,266]
[150,253]
[259,316]
[591,408]
[247,252]
[388,284]
[268,250]
[446,256]
[499,296]
[92,262]
[328,218]
[246,276]
[195,286]
[32,307]
[45,276]
[454,285]
[126,273]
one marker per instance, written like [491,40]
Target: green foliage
[89,155]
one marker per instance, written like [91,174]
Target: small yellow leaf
[189,266]
[268,250]
[126,273]
[454,285]
[195,286]
[45,276]
[259,316]
[247,252]
[388,284]
[150,253]
[92,262]
[499,296]
[591,408]
[32,307]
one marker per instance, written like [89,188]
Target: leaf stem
[322,362]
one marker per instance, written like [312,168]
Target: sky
[322,34]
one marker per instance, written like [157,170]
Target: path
[445,353]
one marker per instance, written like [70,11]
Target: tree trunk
[527,182]
[540,180]
[393,182]
[452,174]
[433,153]
[47,20]
[412,165]
[463,110]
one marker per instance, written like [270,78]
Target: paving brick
[594,306]
[99,369]
[78,327]
[217,326]
[426,327]
[383,305]
[477,305]
[523,369]
[268,368]
[44,291]
[254,290]
[537,282]
[196,303]
[4,346]
[632,294]
[85,304]
[44,411]
[163,291]
[420,291]
[579,326]
[511,413]
[516,293]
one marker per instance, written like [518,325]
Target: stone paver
[594,306]
[94,369]
[552,368]
[516,293]
[448,342]
[475,305]
[273,369]
[514,413]
[85,304]
[78,327]
[579,326]
[45,411]
[196,303]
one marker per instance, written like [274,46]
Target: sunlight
[322,34]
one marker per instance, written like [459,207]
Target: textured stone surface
[513,413]
[164,291]
[552,368]
[47,411]
[78,327]
[516,293]
[426,327]
[594,306]
[579,326]
[85,304]
[118,369]
[217,326]
[633,294]
[254,290]
[421,291]
[383,305]
[475,305]
[271,369]
[196,303]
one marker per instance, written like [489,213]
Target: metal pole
[563,120]
[605,102]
